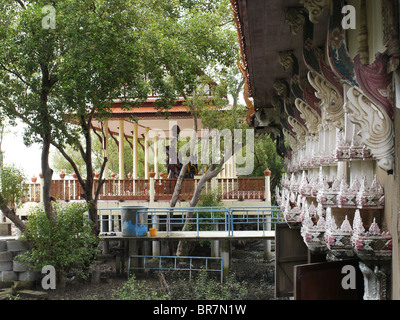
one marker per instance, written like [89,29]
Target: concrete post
[146,153]
[121,150]
[105,147]
[267,243]
[226,257]
[135,151]
[215,245]
[156,155]
[156,244]
[267,196]
[151,190]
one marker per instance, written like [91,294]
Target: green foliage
[11,186]
[68,243]
[138,290]
[205,287]
[210,198]
[202,287]
[265,156]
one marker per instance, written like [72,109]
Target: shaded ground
[247,264]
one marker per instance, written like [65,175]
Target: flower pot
[152,174]
[33,179]
[267,172]
[129,175]
[62,175]
[153,232]
[74,175]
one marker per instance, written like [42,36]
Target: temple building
[322,78]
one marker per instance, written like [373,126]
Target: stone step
[5,229]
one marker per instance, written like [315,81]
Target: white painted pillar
[135,151]
[146,153]
[156,244]
[121,149]
[156,155]
[268,190]
[225,255]
[151,190]
[105,148]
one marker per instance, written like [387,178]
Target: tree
[57,80]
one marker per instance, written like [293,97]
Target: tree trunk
[47,178]
[210,174]
[10,214]
[178,186]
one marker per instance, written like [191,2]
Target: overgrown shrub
[135,289]
[205,287]
[210,199]
[68,244]
[202,287]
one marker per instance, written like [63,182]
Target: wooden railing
[241,188]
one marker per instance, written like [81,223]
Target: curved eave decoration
[376,127]
[243,65]
[375,81]
[331,98]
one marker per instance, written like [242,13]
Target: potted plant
[33,179]
[62,175]
[152,174]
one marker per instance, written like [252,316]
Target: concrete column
[215,245]
[151,190]
[226,257]
[136,247]
[146,153]
[156,155]
[105,148]
[135,151]
[121,149]
[267,243]
[268,190]
[156,244]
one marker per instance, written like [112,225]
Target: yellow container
[153,232]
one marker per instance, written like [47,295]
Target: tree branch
[71,161]
[15,73]
[10,214]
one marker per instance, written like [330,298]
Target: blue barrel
[134,223]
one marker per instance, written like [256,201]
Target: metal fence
[202,218]
[170,263]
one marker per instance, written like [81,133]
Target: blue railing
[172,264]
[215,218]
